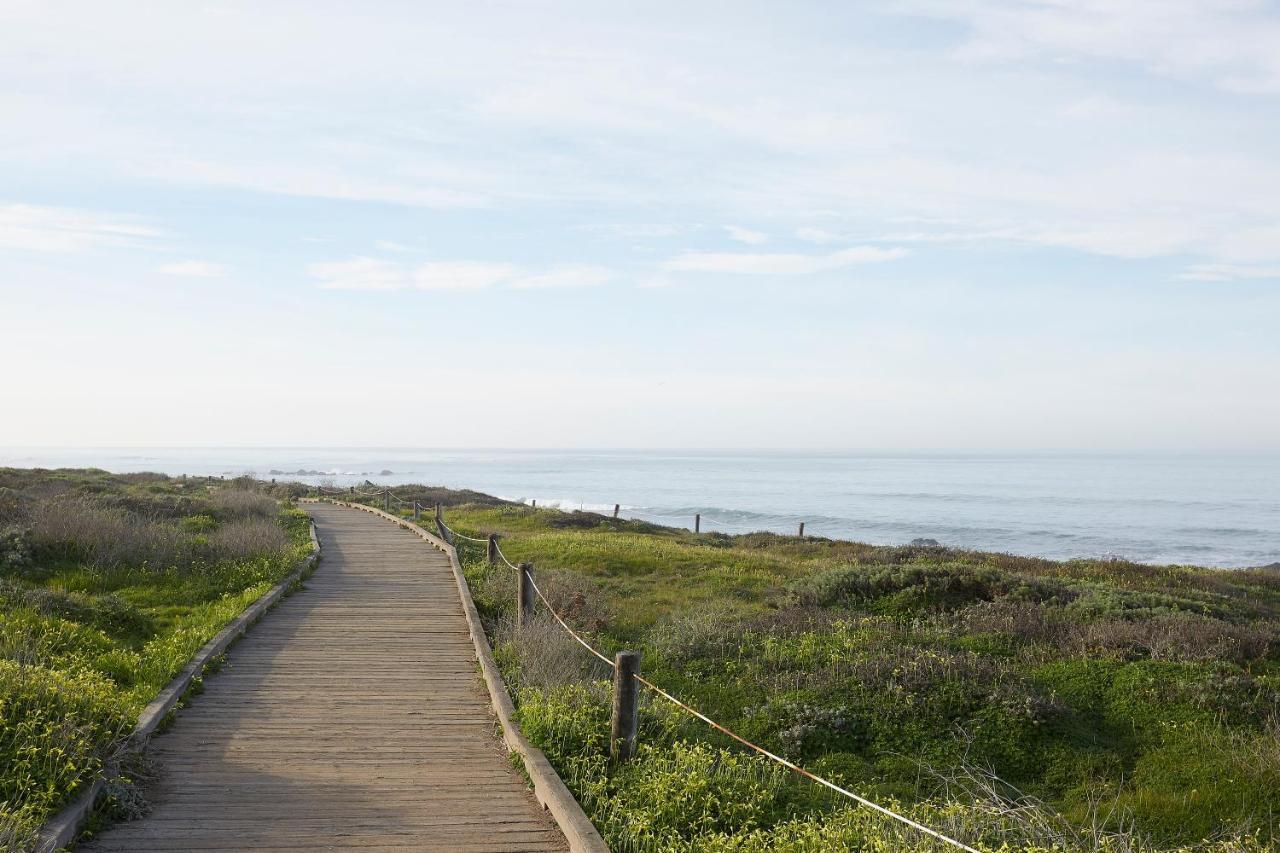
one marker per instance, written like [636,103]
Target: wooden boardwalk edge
[63,827]
[548,787]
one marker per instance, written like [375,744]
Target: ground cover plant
[108,585]
[1017,703]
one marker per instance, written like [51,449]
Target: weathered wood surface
[352,718]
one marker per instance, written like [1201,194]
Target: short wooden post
[535,503]
[386,500]
[439,515]
[616,507]
[493,549]
[626,706]
[415,509]
[801,533]
[525,595]
[697,523]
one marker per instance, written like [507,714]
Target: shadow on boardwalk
[352,717]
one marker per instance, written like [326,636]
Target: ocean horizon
[1206,509]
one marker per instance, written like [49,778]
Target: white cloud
[1234,45]
[193,269]
[364,273]
[654,281]
[569,275]
[360,274]
[779,263]
[630,131]
[1228,272]
[460,275]
[1251,245]
[746,235]
[60,229]
[636,230]
[821,236]
[392,246]
[1096,107]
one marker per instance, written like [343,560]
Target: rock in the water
[925,543]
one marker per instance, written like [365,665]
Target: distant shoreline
[1218,511]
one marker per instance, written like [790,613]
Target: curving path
[351,718]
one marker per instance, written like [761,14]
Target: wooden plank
[62,829]
[353,718]
[547,785]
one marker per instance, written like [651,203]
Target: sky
[915,225]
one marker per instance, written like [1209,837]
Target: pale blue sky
[897,225]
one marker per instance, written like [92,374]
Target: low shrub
[120,581]
[886,669]
[108,612]
[247,537]
[239,503]
[914,587]
[56,729]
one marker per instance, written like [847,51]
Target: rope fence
[564,624]
[525,603]
[627,663]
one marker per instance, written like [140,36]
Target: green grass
[108,586]
[1090,704]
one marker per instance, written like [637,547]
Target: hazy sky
[897,225]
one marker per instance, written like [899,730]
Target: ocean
[1211,510]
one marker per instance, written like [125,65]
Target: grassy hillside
[108,585]
[1013,701]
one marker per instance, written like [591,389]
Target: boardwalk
[351,718]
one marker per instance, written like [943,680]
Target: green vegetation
[1017,703]
[108,585]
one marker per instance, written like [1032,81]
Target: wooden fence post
[386,500]
[525,595]
[801,533]
[697,523]
[616,507]
[443,531]
[535,503]
[415,509]
[626,706]
[493,549]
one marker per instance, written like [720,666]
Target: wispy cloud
[591,137]
[746,235]
[637,230]
[1228,272]
[779,263]
[1235,45]
[193,269]
[60,229]
[360,274]
[567,275]
[460,275]
[364,273]
[821,236]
